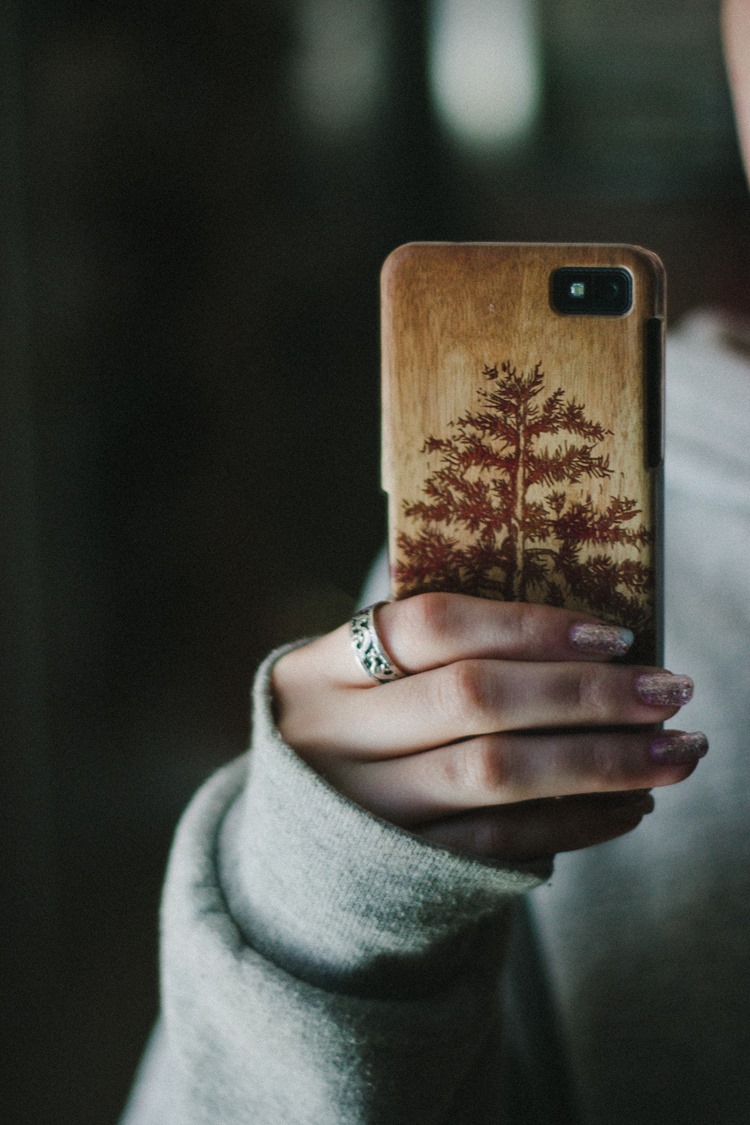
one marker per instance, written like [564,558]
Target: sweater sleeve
[319,965]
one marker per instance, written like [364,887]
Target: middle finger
[476,697]
[495,770]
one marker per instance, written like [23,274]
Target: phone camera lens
[591,290]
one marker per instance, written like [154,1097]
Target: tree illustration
[505,512]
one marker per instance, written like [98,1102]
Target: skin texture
[736,32]
[503,740]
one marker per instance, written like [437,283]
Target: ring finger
[510,769]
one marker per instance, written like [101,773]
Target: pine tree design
[506,513]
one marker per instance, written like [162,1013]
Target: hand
[505,708]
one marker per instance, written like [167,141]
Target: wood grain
[501,478]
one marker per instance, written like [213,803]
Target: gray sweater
[321,966]
[318,964]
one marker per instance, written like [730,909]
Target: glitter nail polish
[662,689]
[600,640]
[679,749]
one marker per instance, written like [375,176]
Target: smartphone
[523,426]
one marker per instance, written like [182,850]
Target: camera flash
[577,289]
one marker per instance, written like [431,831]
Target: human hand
[512,735]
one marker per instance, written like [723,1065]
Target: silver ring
[371,656]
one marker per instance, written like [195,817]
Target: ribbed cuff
[339,897]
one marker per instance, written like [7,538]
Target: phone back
[522,446]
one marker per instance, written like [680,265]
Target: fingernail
[662,689]
[600,640]
[679,749]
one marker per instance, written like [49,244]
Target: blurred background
[196,200]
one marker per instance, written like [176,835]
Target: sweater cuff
[338,897]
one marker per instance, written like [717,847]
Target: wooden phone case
[521,446]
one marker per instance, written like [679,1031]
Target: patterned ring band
[371,656]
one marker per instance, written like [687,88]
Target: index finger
[436,629]
[432,630]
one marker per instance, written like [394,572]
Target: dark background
[190,243]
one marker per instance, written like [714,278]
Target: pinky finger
[539,829]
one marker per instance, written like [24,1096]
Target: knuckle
[481,767]
[489,836]
[605,763]
[503,834]
[531,624]
[465,690]
[430,615]
[493,766]
[590,697]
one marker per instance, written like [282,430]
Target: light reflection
[485,70]
[338,74]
